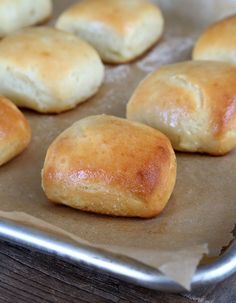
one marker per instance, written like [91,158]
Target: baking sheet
[201,213]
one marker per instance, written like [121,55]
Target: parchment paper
[201,213]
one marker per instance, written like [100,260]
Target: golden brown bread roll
[15,132]
[119,30]
[218,42]
[48,70]
[111,166]
[193,103]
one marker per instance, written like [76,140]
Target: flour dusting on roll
[16,14]
[48,70]
[120,30]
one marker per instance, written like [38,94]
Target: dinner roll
[15,133]
[110,166]
[48,70]
[193,103]
[15,14]
[218,42]
[120,30]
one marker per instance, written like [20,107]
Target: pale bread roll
[15,132]
[193,103]
[120,30]
[218,42]
[48,70]
[110,166]
[15,14]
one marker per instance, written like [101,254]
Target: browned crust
[219,38]
[190,89]
[115,155]
[15,132]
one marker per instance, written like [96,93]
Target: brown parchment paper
[201,213]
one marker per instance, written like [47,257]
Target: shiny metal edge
[117,266]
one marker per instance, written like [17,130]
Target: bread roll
[15,14]
[193,103]
[218,42]
[48,70]
[110,166]
[120,30]
[15,132]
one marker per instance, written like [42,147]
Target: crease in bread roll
[120,30]
[218,42]
[193,103]
[48,70]
[15,132]
[112,166]
[16,14]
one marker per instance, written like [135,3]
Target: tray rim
[115,265]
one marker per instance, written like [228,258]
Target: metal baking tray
[122,267]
